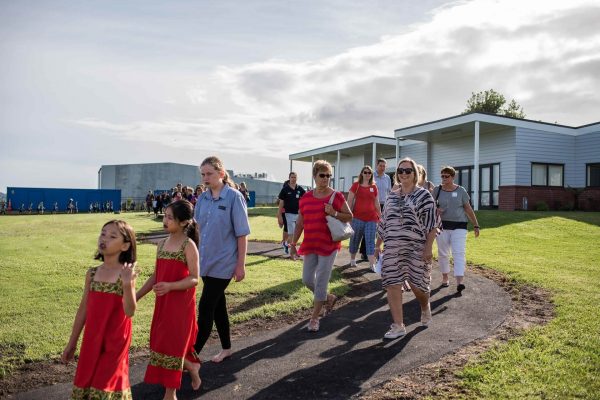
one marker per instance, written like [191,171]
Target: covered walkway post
[476,169]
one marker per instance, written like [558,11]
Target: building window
[593,175]
[489,181]
[547,174]
[463,178]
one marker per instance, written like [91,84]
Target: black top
[291,198]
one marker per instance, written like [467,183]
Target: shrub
[541,206]
[567,207]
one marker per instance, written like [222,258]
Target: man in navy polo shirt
[289,199]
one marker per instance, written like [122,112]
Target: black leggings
[213,308]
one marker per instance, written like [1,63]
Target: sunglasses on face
[446,176]
[325,176]
[367,172]
[406,171]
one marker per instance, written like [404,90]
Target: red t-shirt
[317,238]
[364,202]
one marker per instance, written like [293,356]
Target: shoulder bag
[339,230]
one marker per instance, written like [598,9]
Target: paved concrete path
[347,356]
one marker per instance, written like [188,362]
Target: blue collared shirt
[384,186]
[221,222]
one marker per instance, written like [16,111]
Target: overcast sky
[84,84]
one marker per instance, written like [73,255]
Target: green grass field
[43,260]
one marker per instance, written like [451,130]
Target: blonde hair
[360,177]
[217,164]
[320,165]
[414,167]
[422,173]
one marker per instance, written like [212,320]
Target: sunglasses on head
[367,172]
[406,171]
[446,176]
[324,175]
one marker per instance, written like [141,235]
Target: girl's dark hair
[129,255]
[183,211]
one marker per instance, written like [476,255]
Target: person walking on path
[289,201]
[106,308]
[174,281]
[223,229]
[363,199]
[407,230]
[318,248]
[455,211]
[384,186]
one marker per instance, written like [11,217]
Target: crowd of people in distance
[157,203]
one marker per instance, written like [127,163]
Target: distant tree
[492,102]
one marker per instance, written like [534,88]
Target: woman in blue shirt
[223,229]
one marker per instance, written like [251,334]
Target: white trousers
[453,241]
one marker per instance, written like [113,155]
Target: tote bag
[339,230]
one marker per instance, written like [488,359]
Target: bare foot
[194,370]
[170,394]
[224,354]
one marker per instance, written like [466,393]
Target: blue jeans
[366,229]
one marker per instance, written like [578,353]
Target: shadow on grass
[262,211]
[274,294]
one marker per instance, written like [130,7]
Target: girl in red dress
[174,328]
[106,308]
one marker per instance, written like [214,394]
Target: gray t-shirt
[452,203]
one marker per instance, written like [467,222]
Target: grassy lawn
[43,260]
[560,252]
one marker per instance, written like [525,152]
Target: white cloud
[541,56]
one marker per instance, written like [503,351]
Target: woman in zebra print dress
[408,229]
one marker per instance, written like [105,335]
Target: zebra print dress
[407,218]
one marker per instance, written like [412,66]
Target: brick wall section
[589,199]
[511,198]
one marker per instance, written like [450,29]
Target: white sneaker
[353,263]
[395,332]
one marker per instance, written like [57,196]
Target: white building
[503,162]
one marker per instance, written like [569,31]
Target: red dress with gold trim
[174,327]
[103,366]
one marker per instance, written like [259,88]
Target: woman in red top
[364,201]
[318,249]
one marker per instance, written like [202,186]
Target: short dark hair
[449,170]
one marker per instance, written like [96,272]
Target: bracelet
[475,226]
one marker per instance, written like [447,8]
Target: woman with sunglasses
[318,249]
[363,199]
[455,210]
[407,229]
